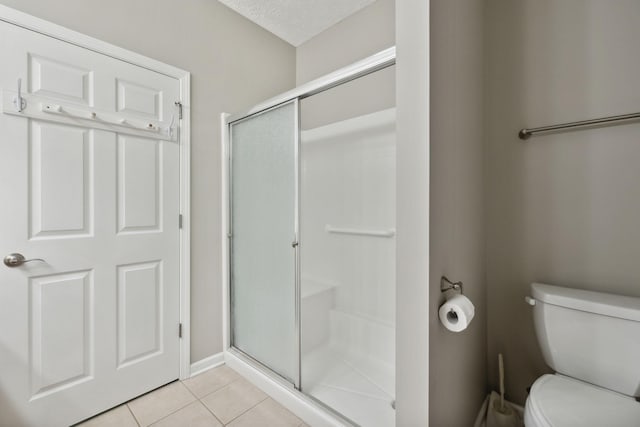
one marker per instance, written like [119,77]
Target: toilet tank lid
[623,307]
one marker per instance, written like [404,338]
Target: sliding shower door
[264,195]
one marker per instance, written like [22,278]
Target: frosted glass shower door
[264,242]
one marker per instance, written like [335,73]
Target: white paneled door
[89,185]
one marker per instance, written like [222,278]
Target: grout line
[146,394]
[100,414]
[302,423]
[218,389]
[168,415]
[199,400]
[132,414]
[248,409]
[180,408]
[188,389]
[211,412]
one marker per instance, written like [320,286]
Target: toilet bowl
[592,341]
[559,401]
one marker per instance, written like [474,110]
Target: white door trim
[224,229]
[41,26]
[413,313]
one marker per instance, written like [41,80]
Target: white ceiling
[296,21]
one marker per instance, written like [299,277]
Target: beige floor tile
[193,415]
[117,417]
[211,380]
[267,413]
[234,399]
[159,403]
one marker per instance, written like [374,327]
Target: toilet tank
[590,336]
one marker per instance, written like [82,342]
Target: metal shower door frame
[376,62]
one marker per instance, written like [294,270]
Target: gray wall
[561,209]
[234,64]
[358,36]
[457,379]
[362,34]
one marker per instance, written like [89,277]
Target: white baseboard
[207,363]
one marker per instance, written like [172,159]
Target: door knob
[16,260]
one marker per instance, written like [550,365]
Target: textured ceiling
[296,21]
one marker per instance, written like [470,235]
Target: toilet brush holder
[502,416]
[499,412]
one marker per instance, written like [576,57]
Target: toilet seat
[559,401]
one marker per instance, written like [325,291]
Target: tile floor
[218,397]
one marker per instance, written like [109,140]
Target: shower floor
[341,382]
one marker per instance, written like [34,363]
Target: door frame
[46,28]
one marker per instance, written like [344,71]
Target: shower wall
[348,181]
[348,281]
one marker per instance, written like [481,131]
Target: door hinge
[179,105]
[179,330]
[180,221]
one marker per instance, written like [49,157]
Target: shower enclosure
[311,248]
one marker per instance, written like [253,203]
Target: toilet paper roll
[456,313]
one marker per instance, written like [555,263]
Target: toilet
[592,342]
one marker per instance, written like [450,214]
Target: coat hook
[169,129]
[19,102]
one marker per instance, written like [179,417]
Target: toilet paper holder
[446,284]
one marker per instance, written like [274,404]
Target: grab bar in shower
[604,121]
[356,232]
